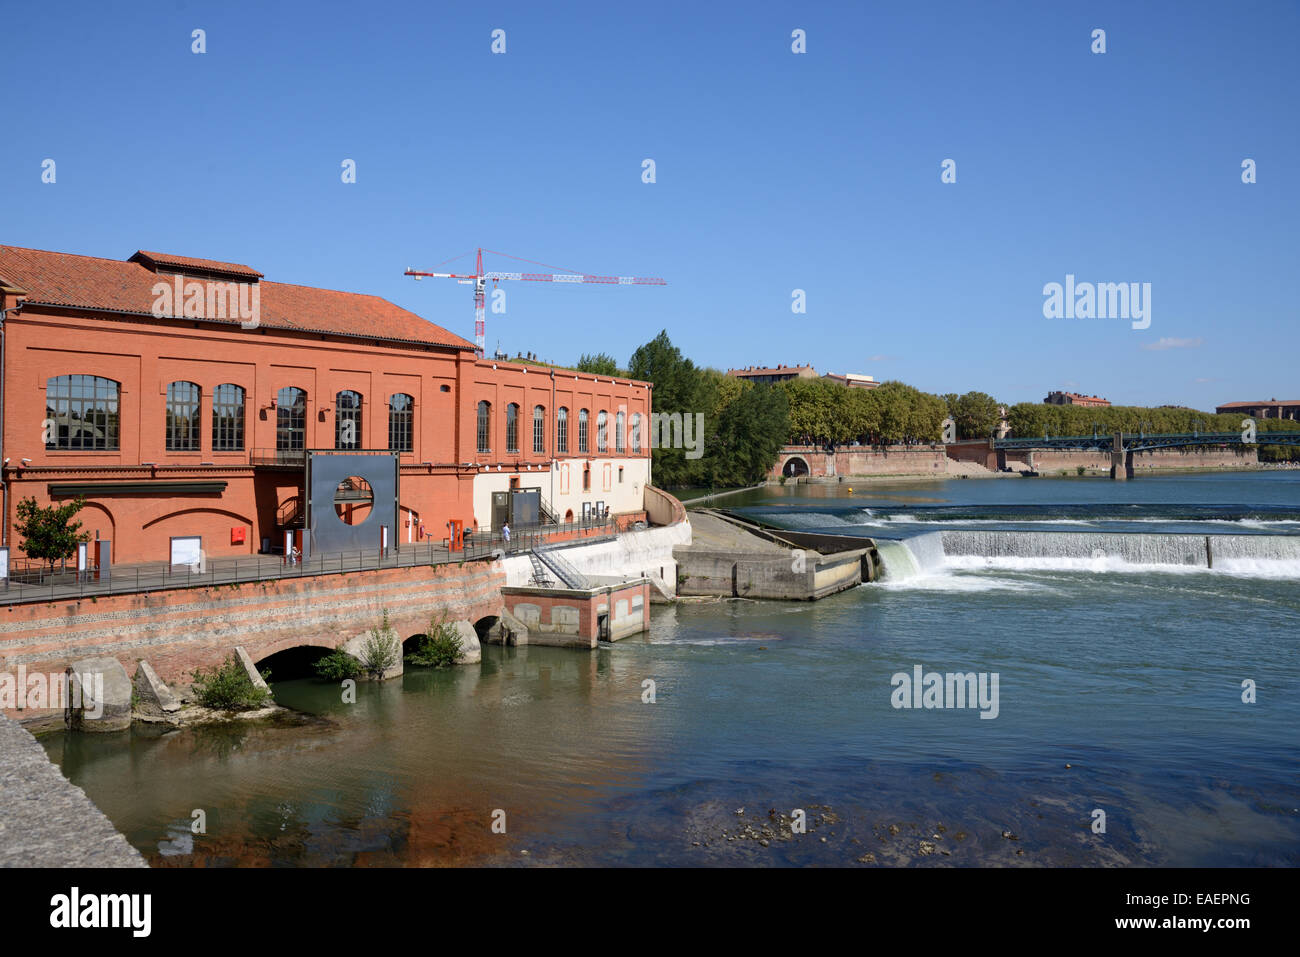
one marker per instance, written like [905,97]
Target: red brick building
[179,396]
[1074,398]
[1272,409]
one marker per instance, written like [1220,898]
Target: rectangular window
[182,417]
[539,431]
[228,418]
[401,422]
[484,427]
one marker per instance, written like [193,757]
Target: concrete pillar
[1121,464]
[1117,470]
[1029,460]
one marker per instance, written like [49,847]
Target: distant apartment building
[1272,409]
[770,375]
[1074,398]
[852,380]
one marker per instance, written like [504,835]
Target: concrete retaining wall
[643,553]
[790,576]
[866,460]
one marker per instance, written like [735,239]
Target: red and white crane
[479,280]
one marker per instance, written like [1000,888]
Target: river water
[1120,657]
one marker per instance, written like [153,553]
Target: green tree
[976,414]
[602,363]
[50,533]
[679,388]
[743,443]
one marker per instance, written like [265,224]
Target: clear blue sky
[775,171]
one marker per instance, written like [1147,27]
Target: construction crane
[479,280]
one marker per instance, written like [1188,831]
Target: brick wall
[181,629]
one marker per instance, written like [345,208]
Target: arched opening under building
[412,644]
[484,626]
[794,467]
[293,663]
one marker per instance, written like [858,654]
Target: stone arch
[795,466]
[412,643]
[484,626]
[293,658]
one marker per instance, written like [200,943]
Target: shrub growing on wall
[338,665]
[441,645]
[227,687]
[381,650]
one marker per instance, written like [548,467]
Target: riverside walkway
[159,576]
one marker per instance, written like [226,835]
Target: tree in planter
[49,533]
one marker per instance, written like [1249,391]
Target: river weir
[1136,673]
[1265,556]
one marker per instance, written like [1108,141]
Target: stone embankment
[730,558]
[45,819]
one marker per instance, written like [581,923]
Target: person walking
[505,534]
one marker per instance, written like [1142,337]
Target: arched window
[562,431]
[401,422]
[512,427]
[620,431]
[82,412]
[485,426]
[290,420]
[539,430]
[182,417]
[583,440]
[347,420]
[636,431]
[602,431]
[228,418]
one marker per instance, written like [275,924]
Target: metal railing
[281,458]
[33,581]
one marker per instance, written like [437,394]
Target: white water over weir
[1270,556]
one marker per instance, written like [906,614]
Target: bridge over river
[1122,445]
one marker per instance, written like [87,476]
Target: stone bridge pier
[1121,462]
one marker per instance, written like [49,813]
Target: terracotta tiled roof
[185,262]
[65,279]
[1259,404]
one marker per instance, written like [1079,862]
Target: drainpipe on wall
[554,451]
[18,295]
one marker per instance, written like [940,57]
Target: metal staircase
[540,578]
[560,566]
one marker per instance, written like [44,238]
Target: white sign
[4,562]
[185,551]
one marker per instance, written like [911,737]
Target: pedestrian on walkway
[505,534]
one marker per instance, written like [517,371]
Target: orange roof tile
[88,282]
